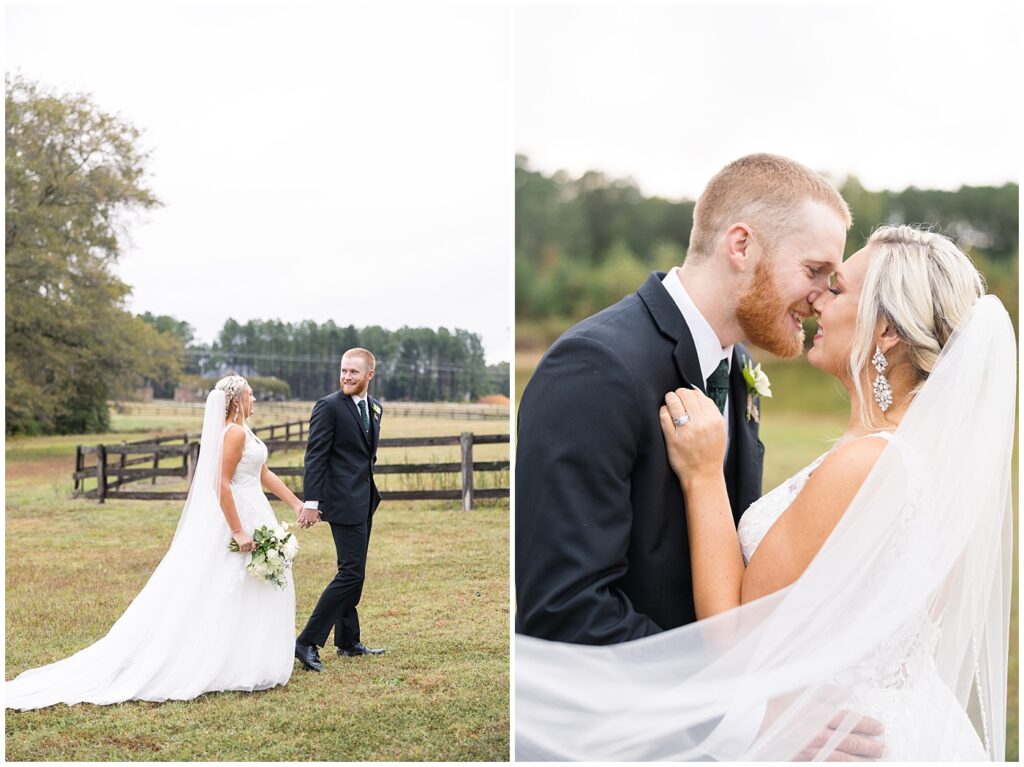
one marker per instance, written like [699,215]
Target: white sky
[315,163]
[925,95]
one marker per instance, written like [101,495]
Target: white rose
[761,383]
[260,566]
[291,548]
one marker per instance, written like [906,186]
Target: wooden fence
[114,466]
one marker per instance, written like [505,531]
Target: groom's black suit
[602,554]
[339,474]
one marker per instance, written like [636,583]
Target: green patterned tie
[718,385]
[364,415]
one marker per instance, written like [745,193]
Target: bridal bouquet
[275,550]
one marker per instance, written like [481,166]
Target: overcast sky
[928,96]
[315,163]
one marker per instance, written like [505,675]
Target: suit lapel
[374,424]
[669,320]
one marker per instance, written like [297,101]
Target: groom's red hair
[364,354]
[765,191]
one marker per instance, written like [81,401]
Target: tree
[72,173]
[584,242]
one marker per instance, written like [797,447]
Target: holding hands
[694,432]
[306,517]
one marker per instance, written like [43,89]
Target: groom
[338,485]
[602,554]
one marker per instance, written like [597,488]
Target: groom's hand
[308,517]
[860,745]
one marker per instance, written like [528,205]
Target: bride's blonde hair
[922,285]
[232,386]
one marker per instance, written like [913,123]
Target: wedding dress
[920,714]
[202,623]
[902,616]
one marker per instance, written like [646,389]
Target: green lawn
[436,596]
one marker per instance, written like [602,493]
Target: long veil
[913,583]
[166,626]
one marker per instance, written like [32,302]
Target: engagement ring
[681,420]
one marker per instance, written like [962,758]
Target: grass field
[436,596]
[807,411]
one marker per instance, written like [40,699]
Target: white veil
[144,650]
[197,518]
[913,584]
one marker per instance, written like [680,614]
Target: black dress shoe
[359,649]
[308,656]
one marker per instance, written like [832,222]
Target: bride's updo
[922,284]
[232,386]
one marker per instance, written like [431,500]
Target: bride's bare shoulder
[834,483]
[798,534]
[850,460]
[233,438]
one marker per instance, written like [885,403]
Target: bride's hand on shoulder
[696,446]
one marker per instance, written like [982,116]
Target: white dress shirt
[710,351]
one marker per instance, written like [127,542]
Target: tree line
[74,175]
[582,243]
[421,364]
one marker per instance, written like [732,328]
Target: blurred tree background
[75,176]
[421,364]
[583,243]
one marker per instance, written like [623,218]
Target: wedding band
[681,420]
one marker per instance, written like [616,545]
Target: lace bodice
[254,455]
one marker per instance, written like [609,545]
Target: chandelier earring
[880,387]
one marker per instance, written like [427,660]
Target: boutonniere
[376,410]
[758,385]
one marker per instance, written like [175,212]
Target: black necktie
[718,385]
[364,415]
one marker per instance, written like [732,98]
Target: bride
[863,605]
[202,622]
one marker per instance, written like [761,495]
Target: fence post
[101,472]
[78,468]
[466,448]
[121,465]
[191,461]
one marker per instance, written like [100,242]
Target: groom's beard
[354,390]
[764,315]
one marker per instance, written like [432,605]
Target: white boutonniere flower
[376,410]
[758,385]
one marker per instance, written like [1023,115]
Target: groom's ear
[737,243]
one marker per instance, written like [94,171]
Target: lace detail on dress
[254,455]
